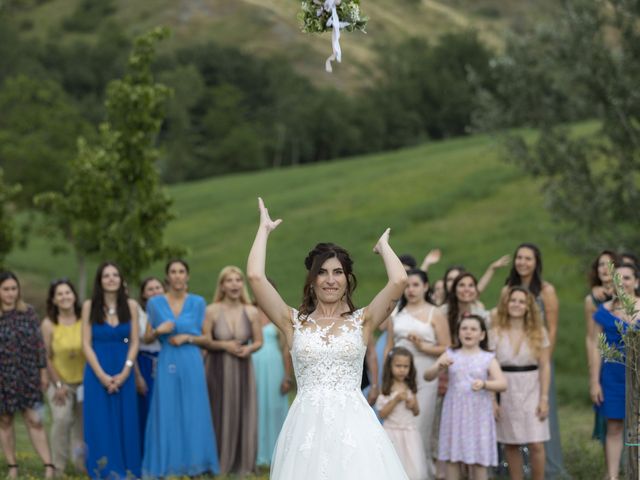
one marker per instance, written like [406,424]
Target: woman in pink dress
[521,345]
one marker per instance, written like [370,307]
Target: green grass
[457,195]
[583,456]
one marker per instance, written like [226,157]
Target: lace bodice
[325,361]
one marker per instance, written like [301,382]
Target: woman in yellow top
[62,333]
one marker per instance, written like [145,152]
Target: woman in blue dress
[110,346]
[179,439]
[609,398]
[273,371]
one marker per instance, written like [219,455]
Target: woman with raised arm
[526,270]
[330,432]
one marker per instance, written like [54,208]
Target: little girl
[467,426]
[398,407]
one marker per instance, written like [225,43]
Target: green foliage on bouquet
[314,17]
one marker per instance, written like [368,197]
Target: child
[467,427]
[398,406]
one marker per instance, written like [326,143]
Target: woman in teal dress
[179,439]
[110,346]
[273,372]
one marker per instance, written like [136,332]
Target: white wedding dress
[331,432]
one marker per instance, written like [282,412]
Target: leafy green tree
[113,206]
[38,125]
[586,64]
[7,226]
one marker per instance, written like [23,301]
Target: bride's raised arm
[384,302]
[269,300]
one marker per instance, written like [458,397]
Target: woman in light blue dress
[179,439]
[273,371]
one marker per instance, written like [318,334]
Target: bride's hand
[265,219]
[383,240]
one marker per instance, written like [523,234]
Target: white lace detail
[327,362]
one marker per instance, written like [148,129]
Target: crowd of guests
[461,389]
[163,386]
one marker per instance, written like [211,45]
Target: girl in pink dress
[398,406]
[467,426]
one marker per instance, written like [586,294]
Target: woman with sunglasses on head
[110,345]
[23,374]
[62,333]
[526,271]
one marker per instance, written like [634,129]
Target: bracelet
[58,384]
[129,363]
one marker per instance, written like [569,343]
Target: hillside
[457,195]
[270,27]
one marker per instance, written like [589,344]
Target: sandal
[12,466]
[53,470]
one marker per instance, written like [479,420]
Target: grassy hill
[457,195]
[268,27]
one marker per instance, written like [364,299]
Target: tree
[7,238]
[112,205]
[584,65]
[38,125]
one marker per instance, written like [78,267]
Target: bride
[330,431]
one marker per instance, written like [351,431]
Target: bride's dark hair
[314,261]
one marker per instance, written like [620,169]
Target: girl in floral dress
[467,427]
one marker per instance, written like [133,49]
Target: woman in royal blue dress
[179,439]
[608,394]
[110,346]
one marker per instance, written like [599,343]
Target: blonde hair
[218,296]
[533,325]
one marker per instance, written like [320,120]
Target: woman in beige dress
[236,333]
[522,347]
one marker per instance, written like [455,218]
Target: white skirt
[334,435]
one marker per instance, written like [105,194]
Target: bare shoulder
[252,312]
[548,289]
[133,305]
[46,325]
[213,309]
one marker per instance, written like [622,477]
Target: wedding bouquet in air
[320,16]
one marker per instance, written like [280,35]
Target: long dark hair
[453,306]
[594,278]
[536,280]
[314,261]
[387,376]
[142,300]
[460,268]
[7,275]
[97,315]
[425,279]
[484,343]
[52,309]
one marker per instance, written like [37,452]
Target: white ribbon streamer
[334,21]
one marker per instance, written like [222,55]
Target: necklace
[111,311]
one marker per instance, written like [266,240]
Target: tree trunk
[82,276]
[632,425]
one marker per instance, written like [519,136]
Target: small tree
[113,206]
[631,360]
[7,237]
[585,65]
